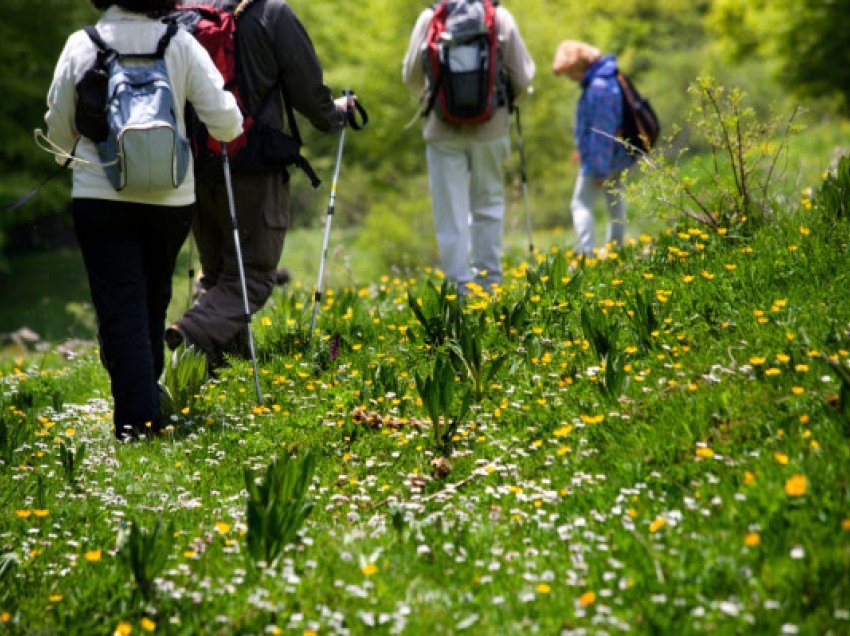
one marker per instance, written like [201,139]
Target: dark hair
[151,8]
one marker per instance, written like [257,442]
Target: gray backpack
[126,107]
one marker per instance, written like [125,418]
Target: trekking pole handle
[353,108]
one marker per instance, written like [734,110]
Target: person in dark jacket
[277,61]
[599,117]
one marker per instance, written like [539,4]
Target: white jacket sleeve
[61,101]
[215,106]
[517,61]
[412,72]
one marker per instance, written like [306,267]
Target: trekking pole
[352,121]
[191,271]
[241,266]
[524,178]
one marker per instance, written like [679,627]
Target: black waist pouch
[90,113]
[272,150]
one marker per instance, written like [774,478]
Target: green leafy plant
[438,391]
[469,356]
[71,459]
[277,506]
[185,373]
[13,431]
[513,316]
[600,330]
[145,552]
[439,315]
[834,194]
[614,378]
[553,274]
[644,320]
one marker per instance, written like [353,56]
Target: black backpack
[641,127]
[462,61]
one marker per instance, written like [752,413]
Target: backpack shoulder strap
[241,7]
[165,40]
[94,36]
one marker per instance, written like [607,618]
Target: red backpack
[215,29]
[462,61]
[259,148]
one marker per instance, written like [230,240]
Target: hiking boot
[281,277]
[173,336]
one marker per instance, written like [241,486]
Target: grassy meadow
[653,442]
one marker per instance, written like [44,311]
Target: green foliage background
[664,45]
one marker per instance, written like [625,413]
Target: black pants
[130,251]
[216,322]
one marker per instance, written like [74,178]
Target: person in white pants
[585,194]
[467,196]
[599,117]
[465,163]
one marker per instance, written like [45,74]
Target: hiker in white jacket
[130,242]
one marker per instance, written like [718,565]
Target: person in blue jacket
[602,158]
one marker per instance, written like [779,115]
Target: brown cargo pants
[216,322]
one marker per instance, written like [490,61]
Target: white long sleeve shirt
[193,77]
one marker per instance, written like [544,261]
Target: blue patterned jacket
[600,107]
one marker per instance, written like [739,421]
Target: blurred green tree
[804,41]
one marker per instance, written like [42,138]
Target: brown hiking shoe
[173,336]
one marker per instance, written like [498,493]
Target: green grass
[654,443]
[690,477]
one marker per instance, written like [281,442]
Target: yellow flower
[587,599]
[705,452]
[757,361]
[190,554]
[656,525]
[5,617]
[804,231]
[93,556]
[845,525]
[748,478]
[369,569]
[797,390]
[147,625]
[752,539]
[55,598]
[221,527]
[782,458]
[591,419]
[266,321]
[543,588]
[123,629]
[41,513]
[707,275]
[23,514]
[687,279]
[796,486]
